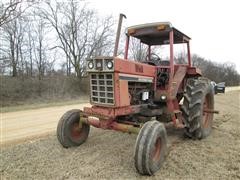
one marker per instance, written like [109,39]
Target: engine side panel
[129,76]
[133,67]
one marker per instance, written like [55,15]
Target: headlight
[90,65]
[163,98]
[109,64]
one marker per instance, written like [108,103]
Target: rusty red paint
[177,80]
[189,55]
[75,131]
[109,124]
[171,38]
[124,127]
[193,71]
[128,67]
[157,150]
[107,114]
[103,112]
[206,116]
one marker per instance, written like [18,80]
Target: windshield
[140,52]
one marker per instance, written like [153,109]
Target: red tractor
[143,97]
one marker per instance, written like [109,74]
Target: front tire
[69,132]
[150,148]
[199,98]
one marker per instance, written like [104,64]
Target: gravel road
[24,125]
[109,155]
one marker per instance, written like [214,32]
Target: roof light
[161,27]
[131,31]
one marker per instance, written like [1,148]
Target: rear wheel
[69,132]
[198,99]
[150,148]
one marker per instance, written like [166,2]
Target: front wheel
[69,132]
[150,148]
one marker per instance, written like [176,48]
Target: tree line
[218,72]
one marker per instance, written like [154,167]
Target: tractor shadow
[174,135]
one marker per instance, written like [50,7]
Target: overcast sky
[213,25]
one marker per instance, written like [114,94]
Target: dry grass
[36,105]
[29,93]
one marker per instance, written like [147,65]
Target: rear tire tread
[196,89]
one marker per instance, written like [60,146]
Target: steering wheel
[154,59]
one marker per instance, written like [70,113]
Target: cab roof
[156,33]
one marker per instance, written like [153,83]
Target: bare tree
[30,48]
[81,34]
[9,11]
[13,23]
[13,33]
[13,9]
[138,51]
[39,49]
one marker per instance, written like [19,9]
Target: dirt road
[109,155]
[22,125]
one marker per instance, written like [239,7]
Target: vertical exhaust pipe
[121,16]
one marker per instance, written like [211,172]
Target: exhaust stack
[121,16]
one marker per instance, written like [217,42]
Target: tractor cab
[159,40]
[158,35]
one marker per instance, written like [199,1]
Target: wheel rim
[75,131]
[157,150]
[206,117]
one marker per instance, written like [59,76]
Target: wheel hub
[75,131]
[157,150]
[206,117]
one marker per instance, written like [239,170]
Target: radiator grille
[102,90]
